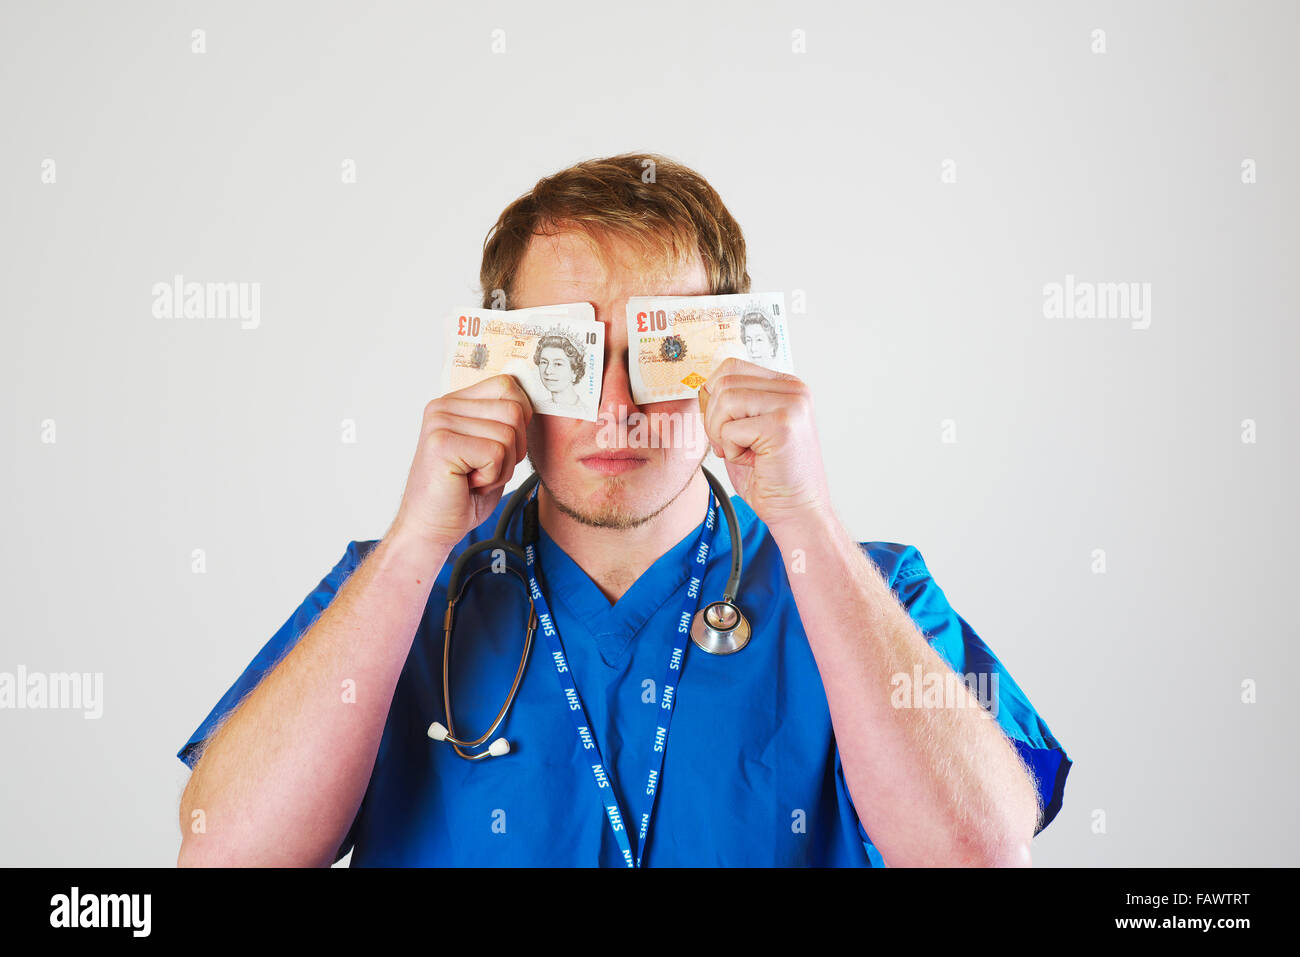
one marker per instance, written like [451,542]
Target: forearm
[932,785]
[281,780]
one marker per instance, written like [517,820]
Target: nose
[616,402]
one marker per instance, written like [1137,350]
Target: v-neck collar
[614,626]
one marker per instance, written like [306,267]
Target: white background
[924,303]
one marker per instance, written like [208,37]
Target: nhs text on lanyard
[690,604]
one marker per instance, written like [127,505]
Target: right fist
[470,442]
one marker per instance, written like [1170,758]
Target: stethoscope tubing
[459,582]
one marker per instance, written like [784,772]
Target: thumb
[703,394]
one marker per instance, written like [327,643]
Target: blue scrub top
[752,775]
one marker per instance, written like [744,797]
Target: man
[807,747]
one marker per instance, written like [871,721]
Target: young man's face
[618,483]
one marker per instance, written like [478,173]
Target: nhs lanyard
[605,787]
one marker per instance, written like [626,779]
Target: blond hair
[658,206]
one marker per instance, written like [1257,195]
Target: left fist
[760,423]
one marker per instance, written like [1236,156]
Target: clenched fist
[470,442]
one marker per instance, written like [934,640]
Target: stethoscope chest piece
[720,629]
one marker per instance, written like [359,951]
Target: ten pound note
[555,353]
[675,342]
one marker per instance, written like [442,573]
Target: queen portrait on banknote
[560,366]
[759,336]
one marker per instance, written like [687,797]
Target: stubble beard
[614,514]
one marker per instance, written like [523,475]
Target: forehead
[571,266]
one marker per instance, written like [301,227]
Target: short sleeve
[966,653]
[281,643]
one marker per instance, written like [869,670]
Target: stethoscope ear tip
[719,629]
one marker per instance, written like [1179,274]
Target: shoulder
[899,563]
[357,551]
[353,555]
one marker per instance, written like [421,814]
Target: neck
[615,558]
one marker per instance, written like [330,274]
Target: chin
[615,501]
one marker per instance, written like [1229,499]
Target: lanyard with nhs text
[690,604]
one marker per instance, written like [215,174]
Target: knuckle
[435,423]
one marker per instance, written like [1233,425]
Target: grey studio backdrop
[1108,500]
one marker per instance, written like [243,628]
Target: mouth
[614,462]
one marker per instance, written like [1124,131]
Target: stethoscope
[719,628]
